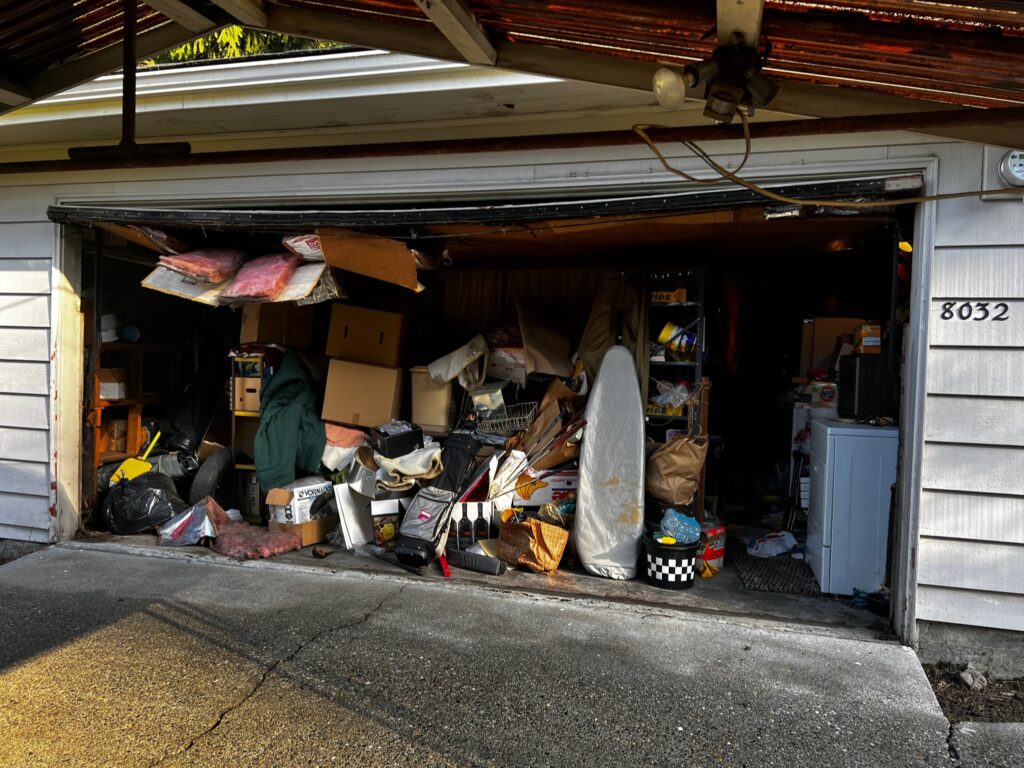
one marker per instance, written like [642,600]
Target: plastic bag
[134,506]
[177,465]
[262,279]
[533,543]
[305,246]
[681,527]
[771,544]
[207,266]
[188,527]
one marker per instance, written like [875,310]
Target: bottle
[481,527]
[465,530]
[453,531]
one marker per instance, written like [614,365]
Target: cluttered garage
[695,396]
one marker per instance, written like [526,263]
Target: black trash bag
[135,506]
[104,473]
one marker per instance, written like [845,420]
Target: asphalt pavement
[131,660]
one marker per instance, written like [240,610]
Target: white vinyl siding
[971,547]
[26,263]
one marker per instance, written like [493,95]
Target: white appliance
[853,467]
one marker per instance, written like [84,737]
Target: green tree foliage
[237,42]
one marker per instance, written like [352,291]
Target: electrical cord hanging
[724,173]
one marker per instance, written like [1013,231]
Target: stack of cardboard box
[868,340]
[364,382]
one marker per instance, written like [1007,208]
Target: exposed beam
[458,24]
[13,94]
[184,14]
[248,13]
[103,62]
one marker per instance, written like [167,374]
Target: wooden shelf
[674,363]
[674,305]
[247,414]
[126,346]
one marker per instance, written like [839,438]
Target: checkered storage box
[669,566]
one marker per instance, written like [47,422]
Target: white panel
[29,411]
[23,444]
[976,609]
[972,516]
[25,344]
[982,420]
[20,533]
[973,468]
[24,511]
[24,477]
[992,372]
[964,564]
[30,240]
[978,273]
[24,378]
[25,275]
[24,311]
[981,329]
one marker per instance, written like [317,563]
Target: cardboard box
[312,532]
[868,340]
[818,343]
[431,402]
[534,491]
[247,393]
[113,383]
[115,435]
[293,504]
[364,395]
[364,335]
[286,324]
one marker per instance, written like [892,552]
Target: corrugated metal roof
[37,35]
[971,55]
[967,54]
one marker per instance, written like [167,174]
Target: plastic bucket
[669,566]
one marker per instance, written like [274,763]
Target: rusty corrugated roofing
[971,55]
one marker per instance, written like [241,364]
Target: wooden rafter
[248,13]
[456,22]
[185,14]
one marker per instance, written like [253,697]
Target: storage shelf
[674,363]
[245,466]
[675,304]
[127,346]
[248,414]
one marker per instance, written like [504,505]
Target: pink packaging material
[207,266]
[247,542]
[261,279]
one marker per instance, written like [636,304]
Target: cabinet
[853,468]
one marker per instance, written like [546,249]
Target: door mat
[780,574]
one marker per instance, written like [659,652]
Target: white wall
[972,469]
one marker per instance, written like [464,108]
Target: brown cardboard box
[286,324]
[364,335]
[312,532]
[819,340]
[247,393]
[364,395]
[431,401]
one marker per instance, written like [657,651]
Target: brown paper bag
[548,424]
[673,472]
[537,545]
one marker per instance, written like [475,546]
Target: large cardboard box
[364,395]
[431,401]
[286,324]
[311,532]
[364,335]
[819,340]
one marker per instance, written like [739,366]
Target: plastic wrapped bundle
[261,279]
[247,542]
[206,266]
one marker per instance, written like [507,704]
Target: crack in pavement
[270,669]
[954,753]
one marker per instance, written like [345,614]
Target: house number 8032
[975,310]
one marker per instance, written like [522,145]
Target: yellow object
[677,339]
[132,468]
[707,570]
[906,247]
[667,540]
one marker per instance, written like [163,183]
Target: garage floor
[723,595]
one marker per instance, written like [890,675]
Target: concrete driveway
[131,660]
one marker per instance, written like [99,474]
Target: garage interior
[753,276]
